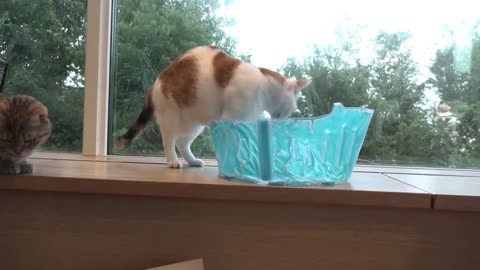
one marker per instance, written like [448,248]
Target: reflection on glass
[418,68]
[43,43]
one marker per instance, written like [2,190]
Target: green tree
[399,125]
[460,90]
[292,68]
[151,34]
[44,44]
[335,79]
[469,126]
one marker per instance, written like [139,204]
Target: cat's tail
[143,120]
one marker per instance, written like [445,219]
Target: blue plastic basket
[292,152]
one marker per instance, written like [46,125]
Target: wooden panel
[451,192]
[43,230]
[363,189]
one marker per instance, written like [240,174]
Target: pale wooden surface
[441,189]
[363,189]
[418,170]
[213,163]
[451,192]
[52,230]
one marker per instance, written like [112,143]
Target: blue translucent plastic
[292,152]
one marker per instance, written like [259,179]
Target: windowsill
[440,189]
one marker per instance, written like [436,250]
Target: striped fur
[143,120]
[24,125]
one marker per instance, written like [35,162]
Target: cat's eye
[34,140]
[41,136]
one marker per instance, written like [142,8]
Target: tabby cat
[24,125]
[206,84]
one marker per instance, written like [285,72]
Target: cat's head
[284,102]
[24,125]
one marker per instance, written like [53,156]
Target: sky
[273,31]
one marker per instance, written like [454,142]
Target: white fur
[248,94]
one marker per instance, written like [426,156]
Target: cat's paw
[196,163]
[10,169]
[26,168]
[175,164]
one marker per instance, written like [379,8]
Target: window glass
[416,63]
[43,42]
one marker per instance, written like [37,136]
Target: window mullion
[96,78]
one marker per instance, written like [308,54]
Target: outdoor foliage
[44,43]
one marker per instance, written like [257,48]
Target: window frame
[97,77]
[98,95]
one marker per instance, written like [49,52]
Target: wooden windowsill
[369,186]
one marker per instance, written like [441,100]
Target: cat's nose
[18,150]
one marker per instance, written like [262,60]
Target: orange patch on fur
[275,75]
[25,107]
[38,109]
[148,100]
[224,66]
[121,143]
[3,106]
[179,80]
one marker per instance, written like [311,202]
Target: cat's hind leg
[169,141]
[169,138]
[183,144]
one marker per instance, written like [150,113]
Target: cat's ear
[300,84]
[43,118]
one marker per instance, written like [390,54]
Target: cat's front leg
[9,167]
[184,143]
[25,167]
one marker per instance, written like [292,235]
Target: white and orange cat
[206,84]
